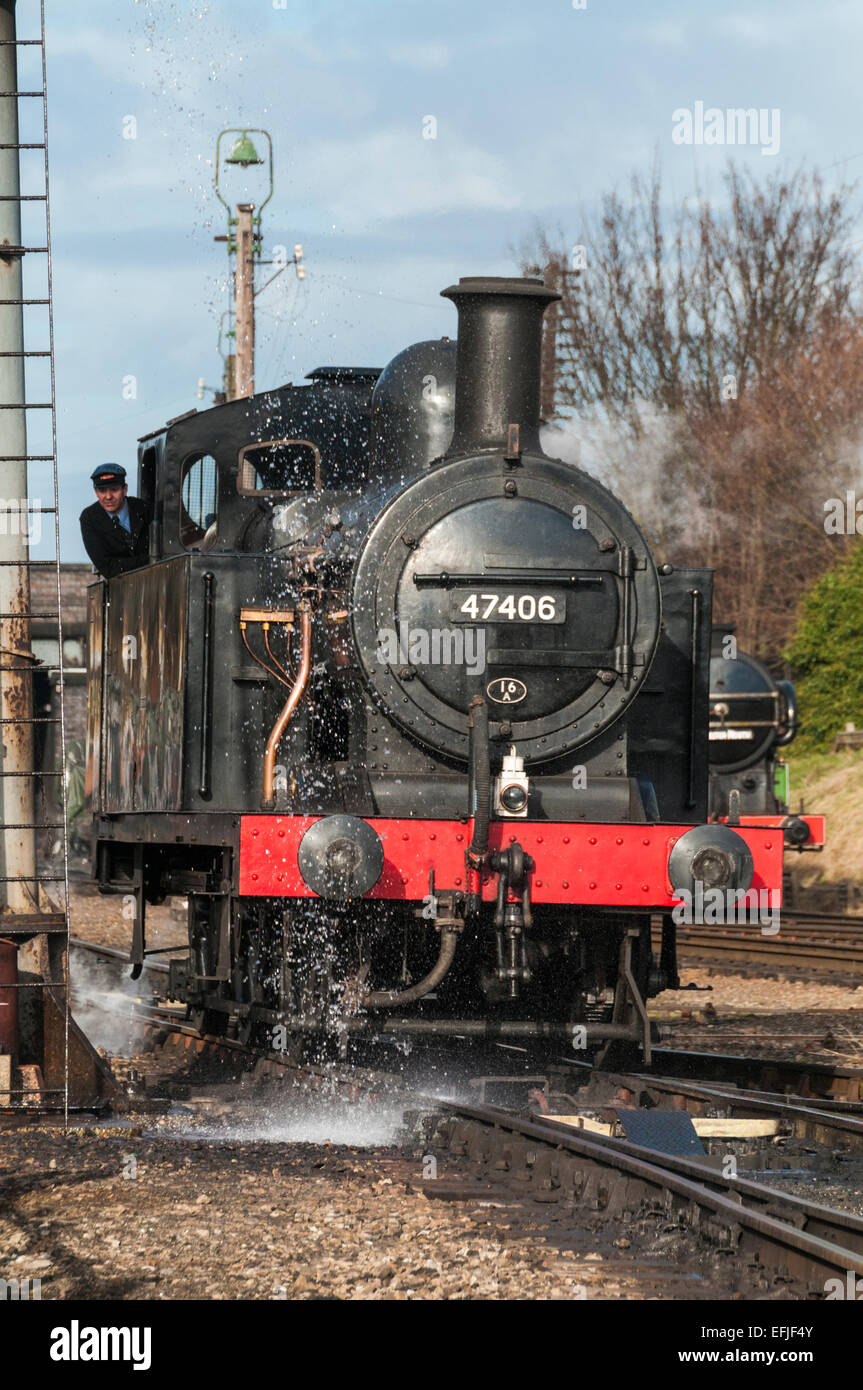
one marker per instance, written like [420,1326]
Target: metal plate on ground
[666,1131]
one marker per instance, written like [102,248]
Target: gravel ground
[759,996]
[223,1220]
[221,1200]
[744,1014]
[100,918]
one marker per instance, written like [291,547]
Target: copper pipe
[271,654]
[263,665]
[284,719]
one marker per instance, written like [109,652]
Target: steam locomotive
[407,711]
[752,717]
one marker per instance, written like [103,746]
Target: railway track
[775,1237]
[805,944]
[832,1122]
[781,1236]
[823,1081]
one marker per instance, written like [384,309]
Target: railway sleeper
[478,1147]
[522,1157]
[725,1235]
[790,1215]
[455,1134]
[556,1175]
[553,1174]
[626,1199]
[589,1185]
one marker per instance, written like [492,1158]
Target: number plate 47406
[507,606]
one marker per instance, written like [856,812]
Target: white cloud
[750,28]
[663,34]
[792,25]
[420,55]
[368,179]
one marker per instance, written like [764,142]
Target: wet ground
[220,1199]
[243,1192]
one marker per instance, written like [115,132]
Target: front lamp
[513,798]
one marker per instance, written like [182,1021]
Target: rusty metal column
[8,1004]
[244,296]
[17,846]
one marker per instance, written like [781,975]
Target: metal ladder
[49,928]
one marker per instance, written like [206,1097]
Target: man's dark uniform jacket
[110,546]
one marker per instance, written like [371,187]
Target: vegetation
[830,784]
[826,653]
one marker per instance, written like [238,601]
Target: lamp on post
[245,242]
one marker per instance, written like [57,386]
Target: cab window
[199,495]
[279,468]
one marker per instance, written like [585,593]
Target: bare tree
[772,463]
[745,489]
[683,309]
[716,353]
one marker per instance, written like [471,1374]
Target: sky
[535,110]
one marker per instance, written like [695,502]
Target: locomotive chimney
[498,362]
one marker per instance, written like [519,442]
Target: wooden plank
[90,1077]
[704,1128]
[581,1122]
[734,1129]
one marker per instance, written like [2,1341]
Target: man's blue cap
[108,473]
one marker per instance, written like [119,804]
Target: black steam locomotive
[752,717]
[406,710]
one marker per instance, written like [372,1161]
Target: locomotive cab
[211,477]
